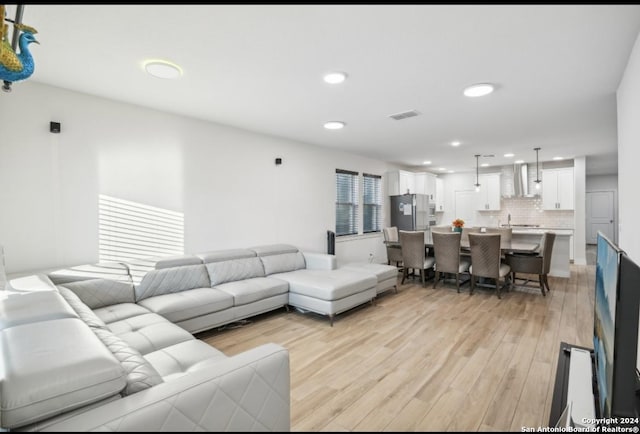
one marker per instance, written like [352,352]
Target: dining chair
[539,264]
[468,230]
[485,260]
[414,254]
[394,252]
[446,248]
[506,233]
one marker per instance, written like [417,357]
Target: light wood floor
[425,359]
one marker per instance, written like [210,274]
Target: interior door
[600,215]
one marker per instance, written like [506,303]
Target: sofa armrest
[320,261]
[247,392]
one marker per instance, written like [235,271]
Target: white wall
[579,210]
[602,182]
[628,101]
[222,178]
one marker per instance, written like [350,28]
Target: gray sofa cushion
[250,290]
[140,374]
[97,293]
[180,359]
[148,333]
[119,312]
[328,285]
[177,261]
[79,370]
[188,304]
[283,262]
[170,280]
[83,311]
[225,255]
[28,307]
[274,249]
[235,269]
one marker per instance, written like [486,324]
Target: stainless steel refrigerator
[412,212]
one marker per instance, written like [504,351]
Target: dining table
[505,246]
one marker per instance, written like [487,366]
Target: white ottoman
[387,275]
[329,292]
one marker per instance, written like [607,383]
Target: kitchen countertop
[541,230]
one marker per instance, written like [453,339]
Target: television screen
[606,292]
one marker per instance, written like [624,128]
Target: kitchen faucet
[509,220]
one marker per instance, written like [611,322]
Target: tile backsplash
[525,211]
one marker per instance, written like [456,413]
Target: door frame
[615,209]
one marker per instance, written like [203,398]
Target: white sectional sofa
[89,348]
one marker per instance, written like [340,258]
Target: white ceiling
[260,67]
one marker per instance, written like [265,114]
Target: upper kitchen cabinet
[439,195]
[400,182]
[557,189]
[426,184]
[489,194]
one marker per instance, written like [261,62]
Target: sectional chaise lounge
[97,348]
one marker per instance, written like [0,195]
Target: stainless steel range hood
[520,180]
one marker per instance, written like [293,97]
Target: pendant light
[538,180]
[477,184]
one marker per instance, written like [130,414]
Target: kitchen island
[562,246]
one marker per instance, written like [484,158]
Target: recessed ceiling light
[334,125]
[484,165]
[456,143]
[442,168]
[450,171]
[480,89]
[426,162]
[509,155]
[558,158]
[335,77]
[519,161]
[162,69]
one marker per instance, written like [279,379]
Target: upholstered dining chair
[506,233]
[414,254]
[485,260]
[539,264]
[446,250]
[394,252]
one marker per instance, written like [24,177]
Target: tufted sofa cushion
[226,255]
[177,261]
[140,374]
[97,293]
[234,269]
[83,311]
[170,280]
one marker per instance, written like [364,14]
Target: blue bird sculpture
[15,67]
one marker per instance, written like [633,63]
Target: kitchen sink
[520,226]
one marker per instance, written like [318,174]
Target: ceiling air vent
[404,115]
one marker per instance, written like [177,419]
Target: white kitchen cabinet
[420,179]
[400,182]
[426,184]
[439,195]
[488,198]
[557,189]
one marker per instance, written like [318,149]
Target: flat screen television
[615,330]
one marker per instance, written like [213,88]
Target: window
[346,202]
[371,203]
[130,231]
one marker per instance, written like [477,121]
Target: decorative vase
[457,229]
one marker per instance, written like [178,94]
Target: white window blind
[346,202]
[130,231]
[372,203]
